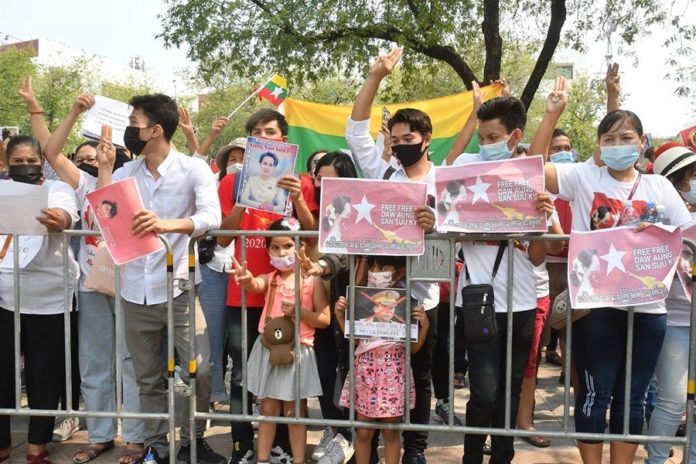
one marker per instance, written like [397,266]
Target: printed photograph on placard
[375,217]
[618,267]
[114,207]
[490,197]
[265,163]
[380,314]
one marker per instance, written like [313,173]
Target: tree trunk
[494,43]
[553,36]
[452,58]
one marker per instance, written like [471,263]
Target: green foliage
[14,66]
[586,107]
[310,41]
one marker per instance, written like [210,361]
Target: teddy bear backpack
[279,333]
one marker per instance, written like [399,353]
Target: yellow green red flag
[275,90]
[315,126]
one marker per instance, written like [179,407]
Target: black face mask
[26,173]
[132,140]
[3,175]
[317,194]
[89,169]
[409,154]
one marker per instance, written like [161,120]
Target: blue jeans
[97,341]
[212,293]
[599,353]
[671,372]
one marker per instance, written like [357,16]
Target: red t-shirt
[257,258]
[565,216]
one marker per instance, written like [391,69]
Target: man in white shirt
[180,198]
[411,132]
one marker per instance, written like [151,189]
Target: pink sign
[375,217]
[687,257]
[492,196]
[114,207]
[619,267]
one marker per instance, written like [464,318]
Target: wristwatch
[322,264]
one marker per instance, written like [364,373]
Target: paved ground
[444,447]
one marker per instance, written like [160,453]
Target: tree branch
[491,36]
[553,37]
[452,58]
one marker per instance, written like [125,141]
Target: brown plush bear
[279,338]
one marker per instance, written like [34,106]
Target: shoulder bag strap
[498,259]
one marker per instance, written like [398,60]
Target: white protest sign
[29,247]
[20,205]
[106,111]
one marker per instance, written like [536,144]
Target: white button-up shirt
[186,188]
[369,159]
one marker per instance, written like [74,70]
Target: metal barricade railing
[69,408]
[448,241]
[508,430]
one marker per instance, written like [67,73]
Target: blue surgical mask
[619,157]
[690,196]
[562,157]
[495,151]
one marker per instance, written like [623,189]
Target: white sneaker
[65,429]
[339,451]
[278,456]
[320,449]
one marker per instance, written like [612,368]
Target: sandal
[538,442]
[42,458]
[459,380]
[92,451]
[130,456]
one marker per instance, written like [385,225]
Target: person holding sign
[41,304]
[270,380]
[501,122]
[380,369]
[270,125]
[411,133]
[180,194]
[678,164]
[599,339]
[96,318]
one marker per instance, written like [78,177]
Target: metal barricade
[445,242]
[418,269]
[70,408]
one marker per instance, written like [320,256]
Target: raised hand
[219,125]
[82,103]
[185,120]
[241,274]
[106,151]
[613,80]
[385,64]
[558,98]
[477,95]
[308,268]
[28,95]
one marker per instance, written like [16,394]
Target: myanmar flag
[275,90]
[315,126]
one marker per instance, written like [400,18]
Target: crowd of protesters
[243,286]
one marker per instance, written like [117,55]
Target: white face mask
[234,168]
[379,279]
[284,263]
